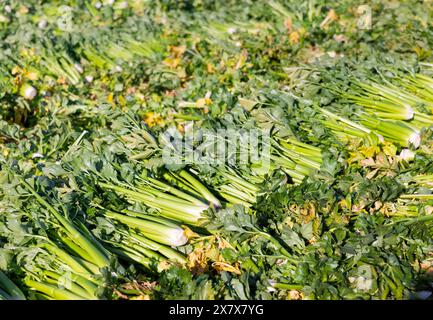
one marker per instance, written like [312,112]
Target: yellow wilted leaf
[177,51]
[369,151]
[330,17]
[181,127]
[197,261]
[15,70]
[294,37]
[24,52]
[31,75]
[313,240]
[121,100]
[23,10]
[206,101]
[61,80]
[242,58]
[141,297]
[389,148]
[172,62]
[189,233]
[223,244]
[200,102]
[223,266]
[153,119]
[164,265]
[110,98]
[207,255]
[308,212]
[212,253]
[210,68]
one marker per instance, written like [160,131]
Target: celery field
[218,150]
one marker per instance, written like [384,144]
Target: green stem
[12,290]
[98,257]
[53,291]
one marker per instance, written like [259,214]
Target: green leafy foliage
[92,94]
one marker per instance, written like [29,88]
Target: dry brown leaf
[295,295]
[288,24]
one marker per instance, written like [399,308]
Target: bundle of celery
[421,86]
[399,111]
[142,238]
[180,197]
[295,158]
[113,54]
[236,187]
[74,251]
[345,129]
[115,182]
[55,272]
[63,68]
